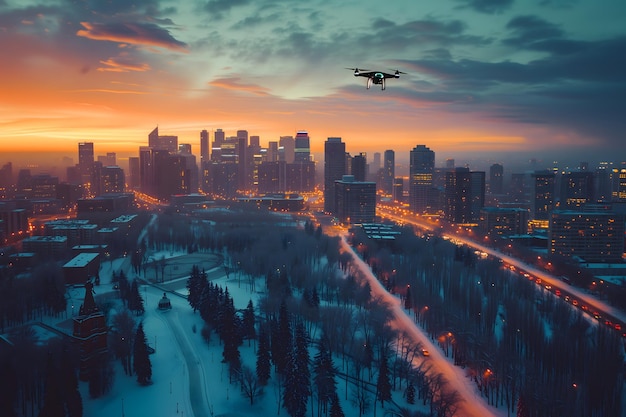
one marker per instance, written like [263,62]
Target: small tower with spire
[90,332]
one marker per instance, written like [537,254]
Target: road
[472,403]
[578,298]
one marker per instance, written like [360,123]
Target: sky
[543,78]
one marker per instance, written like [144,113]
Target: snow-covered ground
[188,375]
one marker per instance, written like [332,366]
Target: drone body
[375,77]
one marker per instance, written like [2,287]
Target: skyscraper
[334,169]
[389,171]
[359,167]
[458,196]
[286,149]
[496,179]
[302,147]
[204,146]
[355,201]
[421,168]
[543,195]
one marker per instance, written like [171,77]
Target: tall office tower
[204,146]
[85,163]
[255,142]
[594,236]
[355,200]
[112,180]
[156,141]
[421,168]
[359,167]
[450,163]
[243,164]
[302,147]
[496,179]
[477,194]
[272,151]
[375,163]
[398,189]
[146,170]
[389,171]
[219,137]
[577,189]
[269,177]
[457,192]
[544,187]
[221,179]
[134,176]
[85,154]
[191,166]
[300,177]
[334,170]
[6,180]
[288,145]
[184,148]
[172,175]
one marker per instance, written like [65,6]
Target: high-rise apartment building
[355,201]
[334,169]
[577,189]
[112,180]
[421,169]
[464,195]
[543,199]
[593,236]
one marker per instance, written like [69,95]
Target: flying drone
[375,77]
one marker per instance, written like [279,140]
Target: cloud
[217,8]
[488,6]
[123,63]
[144,34]
[235,84]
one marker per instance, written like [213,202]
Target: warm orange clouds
[145,34]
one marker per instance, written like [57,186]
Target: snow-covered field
[189,377]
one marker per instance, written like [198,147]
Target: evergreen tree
[231,335]
[141,358]
[335,407]
[135,302]
[383,384]
[281,347]
[248,322]
[263,365]
[297,375]
[195,286]
[324,373]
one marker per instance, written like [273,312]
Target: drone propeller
[398,71]
[357,69]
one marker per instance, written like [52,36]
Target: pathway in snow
[198,394]
[472,403]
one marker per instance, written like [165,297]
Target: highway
[577,298]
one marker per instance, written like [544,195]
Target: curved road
[198,389]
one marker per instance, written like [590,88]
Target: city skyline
[483,77]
